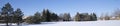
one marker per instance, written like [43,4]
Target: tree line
[47,16]
[8,15]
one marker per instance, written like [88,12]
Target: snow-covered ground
[74,23]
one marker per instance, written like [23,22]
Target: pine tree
[54,17]
[84,17]
[46,15]
[93,17]
[37,18]
[7,12]
[18,14]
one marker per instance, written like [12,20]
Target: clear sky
[29,7]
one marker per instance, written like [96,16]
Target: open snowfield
[74,23]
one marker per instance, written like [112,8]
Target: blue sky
[29,7]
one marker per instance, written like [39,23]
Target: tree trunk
[7,24]
[7,21]
[18,23]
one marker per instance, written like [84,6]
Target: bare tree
[117,12]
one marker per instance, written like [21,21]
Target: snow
[75,23]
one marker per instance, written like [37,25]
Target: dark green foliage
[8,15]
[48,16]
[93,17]
[51,17]
[18,14]
[54,17]
[36,19]
[85,17]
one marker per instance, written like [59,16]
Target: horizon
[29,7]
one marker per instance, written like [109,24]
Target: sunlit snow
[74,23]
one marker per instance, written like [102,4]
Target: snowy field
[74,23]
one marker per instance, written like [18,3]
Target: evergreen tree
[18,14]
[7,12]
[37,17]
[46,15]
[54,17]
[84,17]
[93,17]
